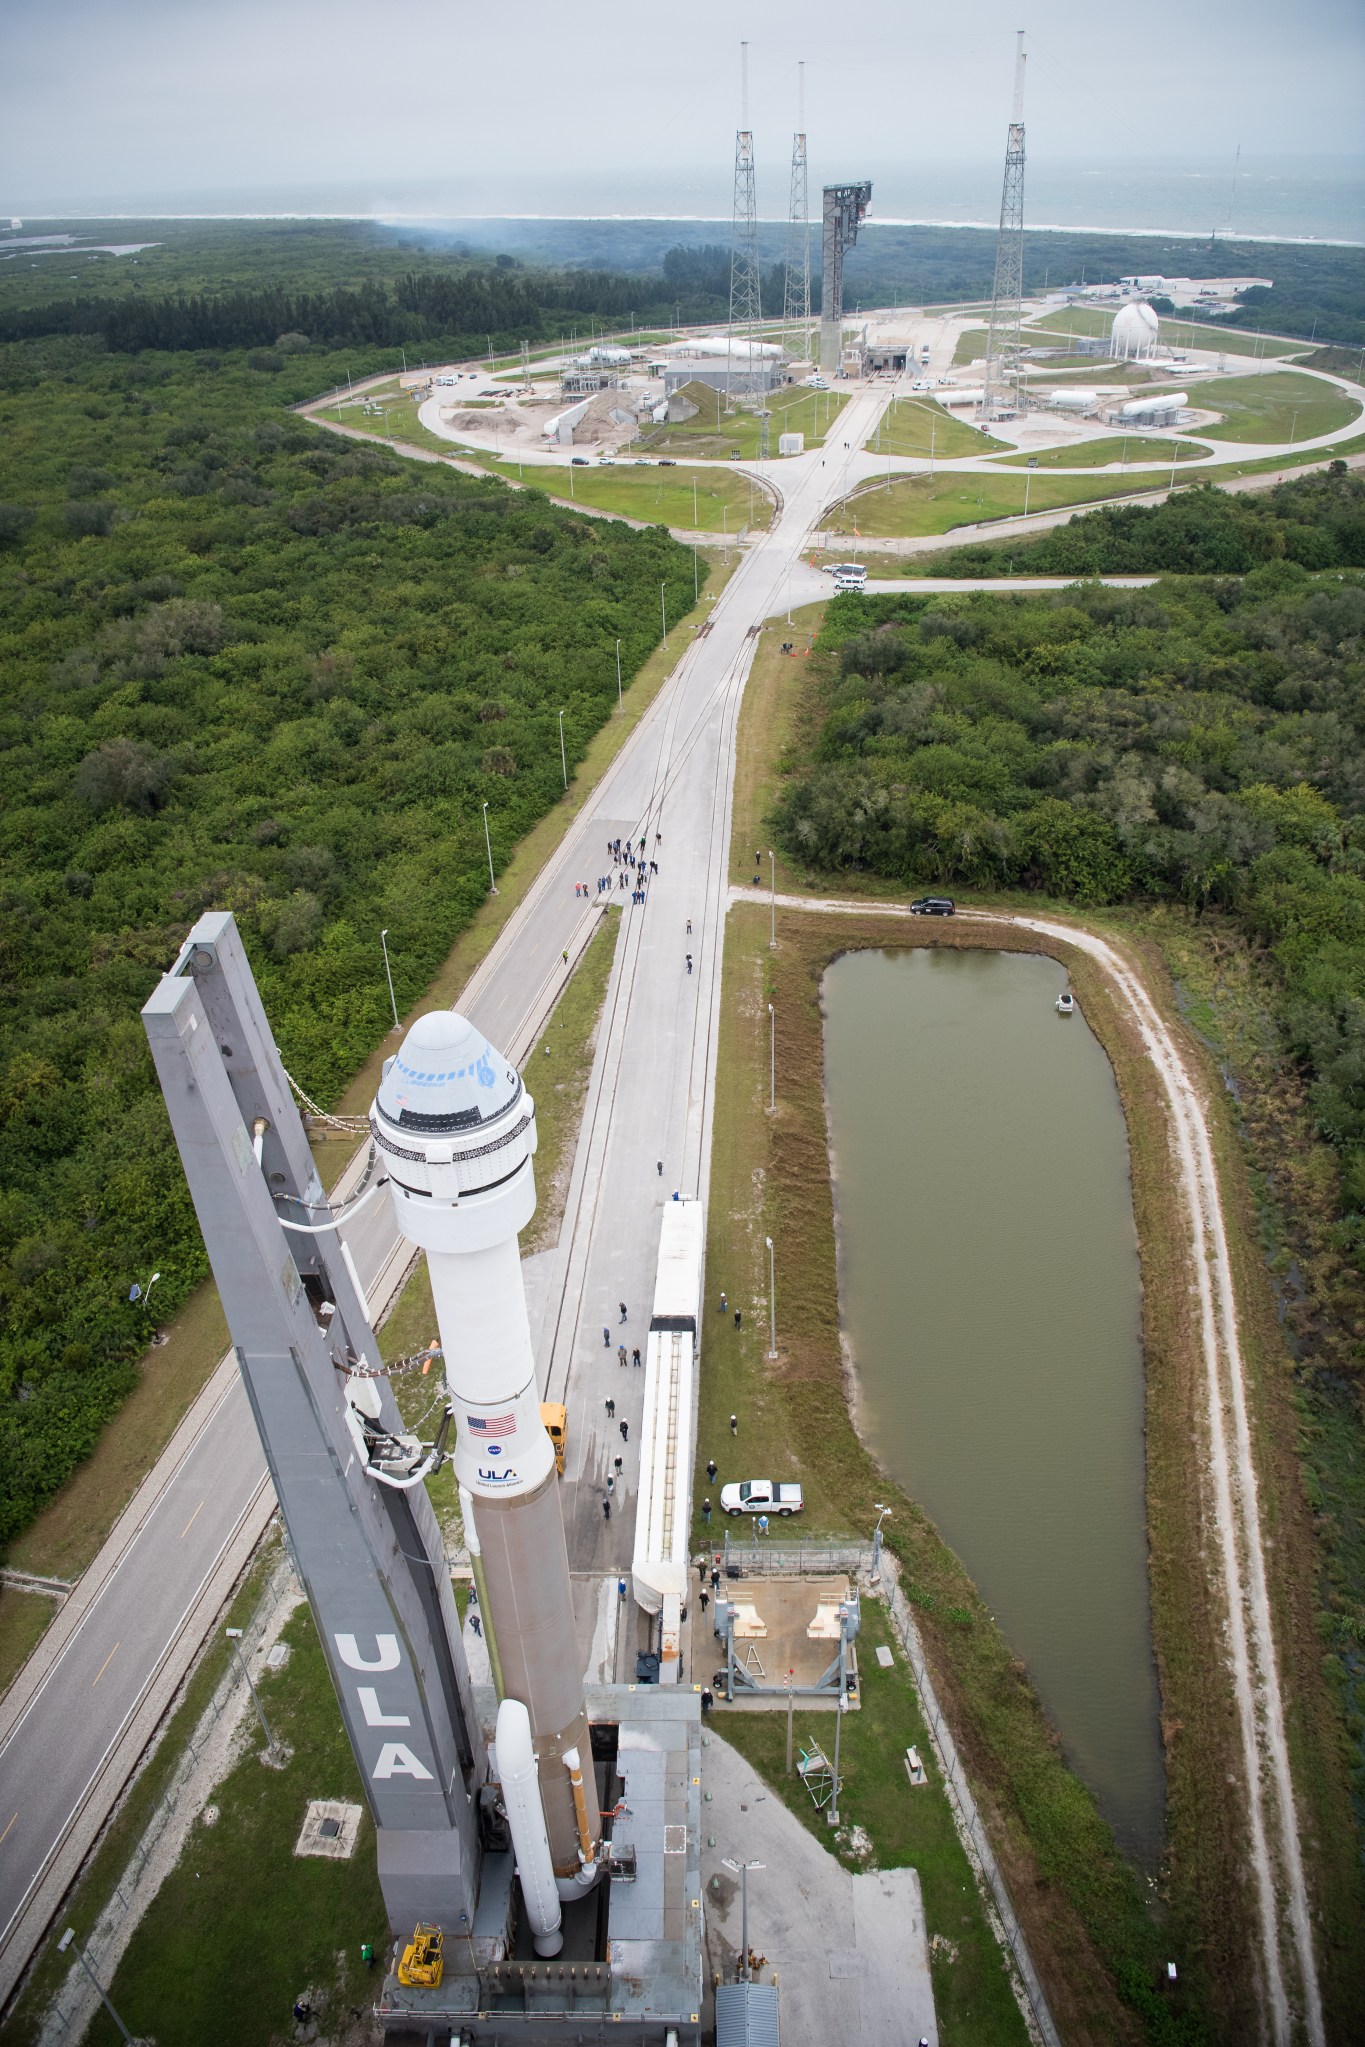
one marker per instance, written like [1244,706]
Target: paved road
[76,1719]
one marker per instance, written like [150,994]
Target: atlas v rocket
[457,1132]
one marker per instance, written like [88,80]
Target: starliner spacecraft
[522,1828]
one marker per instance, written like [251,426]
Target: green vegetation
[971,346]
[1316,520]
[1199,743]
[1277,406]
[24,1619]
[221,1955]
[907,1827]
[718,429]
[1098,454]
[917,426]
[922,504]
[557,1073]
[693,500]
[238,671]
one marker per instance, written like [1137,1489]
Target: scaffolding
[844,208]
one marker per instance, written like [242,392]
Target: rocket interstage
[457,1131]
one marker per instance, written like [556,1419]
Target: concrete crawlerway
[1286,1947]
[81,1713]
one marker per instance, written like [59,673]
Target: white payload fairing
[457,1131]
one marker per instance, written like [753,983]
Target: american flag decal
[493,1424]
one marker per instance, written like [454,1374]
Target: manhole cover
[675,1840]
[329,1829]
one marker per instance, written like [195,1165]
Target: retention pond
[989,1285]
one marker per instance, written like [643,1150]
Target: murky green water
[989,1279]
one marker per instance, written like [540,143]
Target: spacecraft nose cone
[447,1076]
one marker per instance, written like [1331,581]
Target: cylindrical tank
[457,1132]
[516,1765]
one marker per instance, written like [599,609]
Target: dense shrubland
[250,666]
[1200,741]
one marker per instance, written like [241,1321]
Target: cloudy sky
[152,102]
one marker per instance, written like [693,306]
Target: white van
[447,380]
[850,576]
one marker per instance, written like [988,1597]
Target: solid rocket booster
[457,1131]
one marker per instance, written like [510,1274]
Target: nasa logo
[495,1449]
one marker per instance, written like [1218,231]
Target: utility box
[791,444]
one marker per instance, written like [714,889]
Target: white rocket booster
[457,1131]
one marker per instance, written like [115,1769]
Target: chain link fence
[755,1559]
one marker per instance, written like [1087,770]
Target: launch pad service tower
[457,1131]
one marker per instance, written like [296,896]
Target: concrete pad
[851,1953]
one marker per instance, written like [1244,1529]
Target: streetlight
[838,1730]
[563,759]
[234,1636]
[138,1292]
[384,941]
[492,885]
[772,1302]
[69,1940]
[663,610]
[883,1514]
[772,900]
[741,1870]
[620,699]
[772,1061]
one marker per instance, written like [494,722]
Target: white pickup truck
[761,1496]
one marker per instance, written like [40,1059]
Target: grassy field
[971,346]
[907,1827]
[914,426]
[221,1955]
[1099,454]
[1277,406]
[719,431]
[692,500]
[914,505]
[1098,320]
[24,1619]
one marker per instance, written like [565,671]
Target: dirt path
[1287,1965]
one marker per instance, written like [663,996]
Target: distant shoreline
[718,221]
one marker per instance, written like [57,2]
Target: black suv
[933,906]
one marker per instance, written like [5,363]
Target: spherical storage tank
[1134,331]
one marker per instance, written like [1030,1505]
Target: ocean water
[1273,198]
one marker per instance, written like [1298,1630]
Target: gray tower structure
[746,310]
[845,206]
[1000,383]
[796,296]
[347,1477]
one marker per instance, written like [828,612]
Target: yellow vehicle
[555,1419]
[423,1963]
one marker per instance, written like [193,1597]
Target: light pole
[838,1730]
[883,1514]
[234,1636]
[69,1940]
[620,699]
[741,1870]
[772,1065]
[388,973]
[563,757]
[663,610]
[772,1302]
[488,843]
[772,900]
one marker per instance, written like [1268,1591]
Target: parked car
[761,1496]
[579,462]
[667,462]
[933,906]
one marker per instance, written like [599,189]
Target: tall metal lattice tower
[1000,385]
[796,299]
[842,216]
[746,311]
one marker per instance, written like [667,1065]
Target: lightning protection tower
[796,298]
[844,208]
[999,386]
[746,311]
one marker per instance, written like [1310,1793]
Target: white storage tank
[1072,400]
[1159,405]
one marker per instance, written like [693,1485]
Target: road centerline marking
[4,1837]
[190,1523]
[104,1666]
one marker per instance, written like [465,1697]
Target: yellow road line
[190,1523]
[104,1666]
